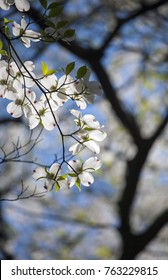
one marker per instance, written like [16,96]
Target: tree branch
[133,15]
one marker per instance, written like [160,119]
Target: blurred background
[124,214]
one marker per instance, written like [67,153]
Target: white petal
[64,184]
[23,24]
[81,103]
[76,148]
[39,172]
[22,5]
[76,113]
[48,81]
[92,146]
[72,181]
[49,184]
[29,66]
[90,121]
[55,169]
[14,110]
[4,5]
[92,164]
[86,178]
[16,28]
[97,135]
[33,121]
[95,88]
[26,41]
[48,121]
[75,164]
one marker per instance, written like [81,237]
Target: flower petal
[86,178]
[97,135]
[91,164]
[92,146]
[39,172]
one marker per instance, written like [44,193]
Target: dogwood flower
[89,134]
[6,81]
[24,75]
[56,89]
[26,35]
[82,171]
[84,91]
[21,5]
[51,176]
[41,114]
[21,103]
[88,139]
[86,122]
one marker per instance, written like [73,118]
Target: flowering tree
[19,84]
[125,44]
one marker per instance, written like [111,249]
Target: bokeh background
[124,214]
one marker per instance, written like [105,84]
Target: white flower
[89,134]
[6,81]
[51,176]
[88,139]
[82,171]
[87,121]
[41,114]
[84,91]
[24,75]
[26,35]
[21,5]
[55,89]
[21,103]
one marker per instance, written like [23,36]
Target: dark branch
[133,15]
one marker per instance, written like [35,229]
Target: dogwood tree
[19,83]
[125,43]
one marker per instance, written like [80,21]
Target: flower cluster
[21,5]
[18,84]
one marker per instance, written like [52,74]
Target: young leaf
[69,33]
[1,44]
[69,68]
[54,5]
[56,11]
[44,68]
[57,186]
[62,24]
[78,184]
[50,72]
[43,3]
[3,52]
[81,72]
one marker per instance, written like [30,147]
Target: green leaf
[50,72]
[72,174]
[54,5]
[78,184]
[63,177]
[7,31]
[50,24]
[6,21]
[43,3]
[56,11]
[81,72]
[69,68]
[69,33]
[1,44]
[62,24]
[57,186]
[44,68]
[3,52]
